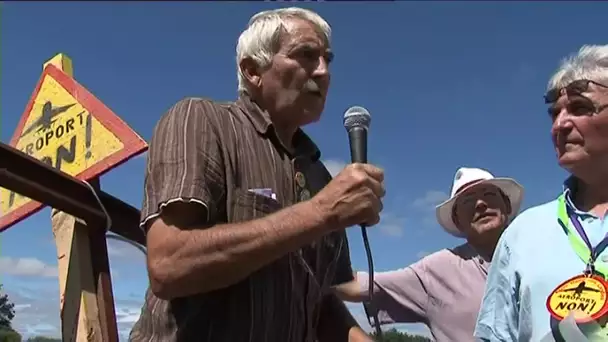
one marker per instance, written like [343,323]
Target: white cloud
[426,204]
[37,310]
[127,313]
[35,291]
[392,225]
[124,251]
[334,166]
[430,199]
[31,267]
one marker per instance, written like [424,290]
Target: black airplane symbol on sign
[46,120]
[580,289]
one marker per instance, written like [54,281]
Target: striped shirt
[228,159]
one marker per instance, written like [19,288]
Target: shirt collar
[263,124]
[469,252]
[569,190]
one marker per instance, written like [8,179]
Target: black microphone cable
[370,266]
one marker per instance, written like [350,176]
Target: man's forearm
[352,291]
[201,260]
[336,324]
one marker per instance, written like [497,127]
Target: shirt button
[605,258]
[300,179]
[304,195]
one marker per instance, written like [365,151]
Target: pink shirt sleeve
[400,296]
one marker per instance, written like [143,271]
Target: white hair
[591,63]
[261,38]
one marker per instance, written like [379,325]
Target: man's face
[296,82]
[481,212]
[580,130]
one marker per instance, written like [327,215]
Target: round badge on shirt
[584,296]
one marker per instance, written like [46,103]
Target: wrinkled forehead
[302,31]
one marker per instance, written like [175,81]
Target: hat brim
[513,190]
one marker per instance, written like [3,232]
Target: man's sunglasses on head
[575,88]
[584,106]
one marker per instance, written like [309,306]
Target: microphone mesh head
[357,117]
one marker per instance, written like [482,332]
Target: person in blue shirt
[547,246]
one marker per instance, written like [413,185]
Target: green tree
[395,335]
[7,311]
[9,335]
[43,339]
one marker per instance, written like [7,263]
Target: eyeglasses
[581,107]
[575,88]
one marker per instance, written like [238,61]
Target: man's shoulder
[200,106]
[532,220]
[197,111]
[541,210]
[448,255]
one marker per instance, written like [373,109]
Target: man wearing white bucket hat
[444,290]
[479,208]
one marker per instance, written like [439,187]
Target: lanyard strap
[583,248]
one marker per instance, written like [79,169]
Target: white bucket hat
[467,177]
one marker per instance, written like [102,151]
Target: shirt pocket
[248,205]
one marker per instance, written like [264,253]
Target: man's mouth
[315,93]
[483,216]
[313,89]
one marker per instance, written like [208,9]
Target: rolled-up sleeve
[184,161]
[498,316]
[399,296]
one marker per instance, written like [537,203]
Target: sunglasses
[575,88]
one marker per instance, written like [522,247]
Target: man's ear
[454,216]
[252,71]
[508,204]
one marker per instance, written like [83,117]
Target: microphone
[356,121]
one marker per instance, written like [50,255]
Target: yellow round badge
[583,295]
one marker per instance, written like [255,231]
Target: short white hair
[590,63]
[260,39]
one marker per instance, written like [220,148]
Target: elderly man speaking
[245,226]
[553,257]
[444,290]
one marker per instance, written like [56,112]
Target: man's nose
[481,205]
[322,68]
[562,122]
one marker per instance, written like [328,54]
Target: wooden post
[85,290]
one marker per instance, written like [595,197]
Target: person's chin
[489,225]
[570,160]
[311,116]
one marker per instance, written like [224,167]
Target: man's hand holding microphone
[353,197]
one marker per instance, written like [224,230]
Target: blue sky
[447,84]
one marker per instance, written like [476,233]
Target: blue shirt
[532,258]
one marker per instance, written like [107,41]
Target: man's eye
[309,54]
[468,201]
[579,109]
